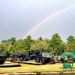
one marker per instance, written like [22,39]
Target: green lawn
[33,68]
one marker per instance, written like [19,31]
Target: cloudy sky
[19,18]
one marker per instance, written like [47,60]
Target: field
[32,68]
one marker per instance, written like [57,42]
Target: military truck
[18,57]
[39,56]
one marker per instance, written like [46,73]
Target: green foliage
[1,49]
[55,44]
[71,44]
[40,38]
[71,39]
[39,44]
[11,41]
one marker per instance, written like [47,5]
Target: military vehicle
[3,57]
[17,57]
[40,56]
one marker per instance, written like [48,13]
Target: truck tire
[42,61]
[21,58]
[37,60]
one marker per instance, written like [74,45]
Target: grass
[32,68]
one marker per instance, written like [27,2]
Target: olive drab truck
[39,56]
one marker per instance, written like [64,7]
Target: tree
[71,39]
[56,44]
[11,40]
[8,44]
[39,44]
[40,38]
[4,45]
[28,38]
[18,46]
[1,49]
[28,42]
[71,44]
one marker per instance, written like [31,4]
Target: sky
[19,18]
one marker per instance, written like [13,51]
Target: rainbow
[48,18]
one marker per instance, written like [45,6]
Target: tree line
[55,44]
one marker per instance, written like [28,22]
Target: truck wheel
[37,60]
[42,61]
[12,59]
[21,58]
